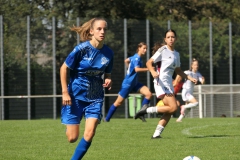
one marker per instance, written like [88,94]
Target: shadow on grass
[213,136]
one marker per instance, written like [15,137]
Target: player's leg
[72,132]
[114,107]
[192,102]
[182,114]
[93,117]
[168,99]
[85,142]
[147,95]
[71,116]
[161,125]
[170,107]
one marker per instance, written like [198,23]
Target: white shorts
[161,90]
[187,95]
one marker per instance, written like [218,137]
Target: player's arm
[203,80]
[185,76]
[66,100]
[127,61]
[138,69]
[151,68]
[107,81]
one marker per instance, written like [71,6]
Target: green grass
[124,139]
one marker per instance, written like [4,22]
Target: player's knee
[172,109]
[148,95]
[72,139]
[88,135]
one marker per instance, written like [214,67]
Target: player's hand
[108,83]
[154,74]
[66,99]
[203,80]
[193,80]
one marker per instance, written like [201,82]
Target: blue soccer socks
[111,111]
[81,149]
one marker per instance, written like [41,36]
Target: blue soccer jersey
[132,76]
[87,65]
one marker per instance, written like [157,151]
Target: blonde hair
[84,30]
[193,60]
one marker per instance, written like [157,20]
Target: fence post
[2,67]
[190,42]
[200,101]
[54,66]
[230,69]
[125,56]
[28,68]
[148,53]
[211,65]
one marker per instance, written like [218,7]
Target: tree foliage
[41,14]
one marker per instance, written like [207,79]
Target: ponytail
[84,30]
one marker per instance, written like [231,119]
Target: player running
[168,61]
[187,91]
[83,95]
[130,82]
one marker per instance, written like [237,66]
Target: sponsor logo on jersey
[93,72]
[104,61]
[166,89]
[88,59]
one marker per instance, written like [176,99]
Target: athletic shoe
[178,120]
[142,118]
[182,109]
[157,137]
[141,112]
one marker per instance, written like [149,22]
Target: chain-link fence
[32,51]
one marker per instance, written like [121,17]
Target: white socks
[152,110]
[187,108]
[158,130]
[180,118]
[190,105]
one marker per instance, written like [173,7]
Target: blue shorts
[126,89]
[73,114]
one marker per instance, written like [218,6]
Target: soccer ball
[191,158]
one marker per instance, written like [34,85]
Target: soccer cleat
[142,118]
[141,112]
[157,137]
[178,120]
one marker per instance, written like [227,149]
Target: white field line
[187,131]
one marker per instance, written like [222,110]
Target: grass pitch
[124,139]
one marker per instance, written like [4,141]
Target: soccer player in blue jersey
[130,82]
[83,96]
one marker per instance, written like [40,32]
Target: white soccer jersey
[189,85]
[166,61]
